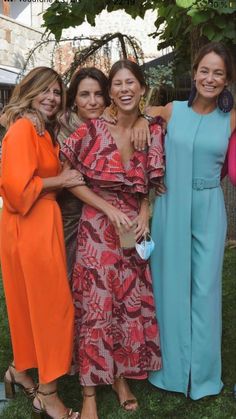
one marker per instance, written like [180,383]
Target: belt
[200,183]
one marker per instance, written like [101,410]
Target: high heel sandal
[126,403]
[10,390]
[41,412]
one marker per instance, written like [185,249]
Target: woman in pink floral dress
[116,331]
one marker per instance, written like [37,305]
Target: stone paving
[3,400]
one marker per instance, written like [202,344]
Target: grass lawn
[154,403]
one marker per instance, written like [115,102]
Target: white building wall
[28,12]
[120,21]
[20,32]
[16,41]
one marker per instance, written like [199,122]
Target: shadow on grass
[154,403]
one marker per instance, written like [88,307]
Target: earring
[74,108]
[142,104]
[225,100]
[193,93]
[112,109]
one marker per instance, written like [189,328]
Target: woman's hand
[142,220]
[120,220]
[70,177]
[140,134]
[36,120]
[160,188]
[111,119]
[3,120]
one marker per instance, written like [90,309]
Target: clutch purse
[145,247]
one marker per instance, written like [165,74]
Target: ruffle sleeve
[92,151]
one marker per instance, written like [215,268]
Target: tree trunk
[197,41]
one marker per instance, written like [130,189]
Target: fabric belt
[201,183]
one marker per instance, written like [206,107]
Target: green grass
[154,403]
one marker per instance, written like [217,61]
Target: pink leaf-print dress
[116,331]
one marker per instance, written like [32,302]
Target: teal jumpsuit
[189,229]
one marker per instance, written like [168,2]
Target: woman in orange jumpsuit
[38,298]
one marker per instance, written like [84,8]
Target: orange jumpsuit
[38,298]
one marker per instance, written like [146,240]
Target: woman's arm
[163,111]
[232,158]
[21,185]
[233,120]
[68,178]
[117,218]
[142,220]
[141,133]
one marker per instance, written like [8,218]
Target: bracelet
[148,118]
[152,119]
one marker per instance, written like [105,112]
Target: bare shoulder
[167,111]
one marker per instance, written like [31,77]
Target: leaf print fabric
[116,331]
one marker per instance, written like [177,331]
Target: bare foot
[89,409]
[126,398]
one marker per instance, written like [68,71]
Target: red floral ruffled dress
[116,331]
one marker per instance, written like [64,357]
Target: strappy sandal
[41,412]
[88,395]
[126,403]
[10,390]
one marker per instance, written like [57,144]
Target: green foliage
[161,75]
[184,3]
[62,15]
[176,21]
[213,20]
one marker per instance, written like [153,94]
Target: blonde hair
[33,84]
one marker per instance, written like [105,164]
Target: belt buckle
[199,184]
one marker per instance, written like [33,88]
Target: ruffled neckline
[93,151]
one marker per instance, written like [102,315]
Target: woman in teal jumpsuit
[189,228]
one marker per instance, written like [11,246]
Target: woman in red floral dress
[116,331]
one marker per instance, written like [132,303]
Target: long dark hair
[83,73]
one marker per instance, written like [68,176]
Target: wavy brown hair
[33,84]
